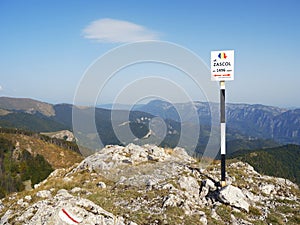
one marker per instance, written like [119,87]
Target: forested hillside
[31,157]
[18,165]
[283,161]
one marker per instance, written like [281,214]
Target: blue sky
[46,46]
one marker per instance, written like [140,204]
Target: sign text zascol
[222,65]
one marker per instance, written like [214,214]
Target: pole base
[223,184]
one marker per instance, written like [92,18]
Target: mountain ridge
[244,121]
[26,104]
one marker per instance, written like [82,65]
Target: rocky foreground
[151,185]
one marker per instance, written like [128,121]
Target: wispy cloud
[1,88]
[117,31]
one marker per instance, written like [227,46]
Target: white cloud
[117,31]
[1,88]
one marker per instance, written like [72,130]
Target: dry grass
[57,157]
[169,151]
[4,112]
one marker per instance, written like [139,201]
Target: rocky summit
[153,185]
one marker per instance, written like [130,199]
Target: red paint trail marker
[224,75]
[68,217]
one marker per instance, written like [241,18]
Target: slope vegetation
[18,166]
[283,161]
[58,157]
[27,158]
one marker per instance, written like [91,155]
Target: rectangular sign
[222,65]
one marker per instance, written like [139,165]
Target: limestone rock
[60,209]
[151,183]
[267,188]
[233,196]
[214,215]
[113,156]
[172,200]
[65,134]
[190,185]
[207,186]
[249,195]
[76,190]
[21,203]
[44,194]
[182,154]
[101,184]
[1,206]
[203,220]
[28,198]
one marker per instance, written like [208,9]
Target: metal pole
[223,132]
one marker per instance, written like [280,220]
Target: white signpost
[222,69]
[222,65]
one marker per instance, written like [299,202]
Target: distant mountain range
[252,121]
[248,126]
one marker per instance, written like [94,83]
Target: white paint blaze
[223,139]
